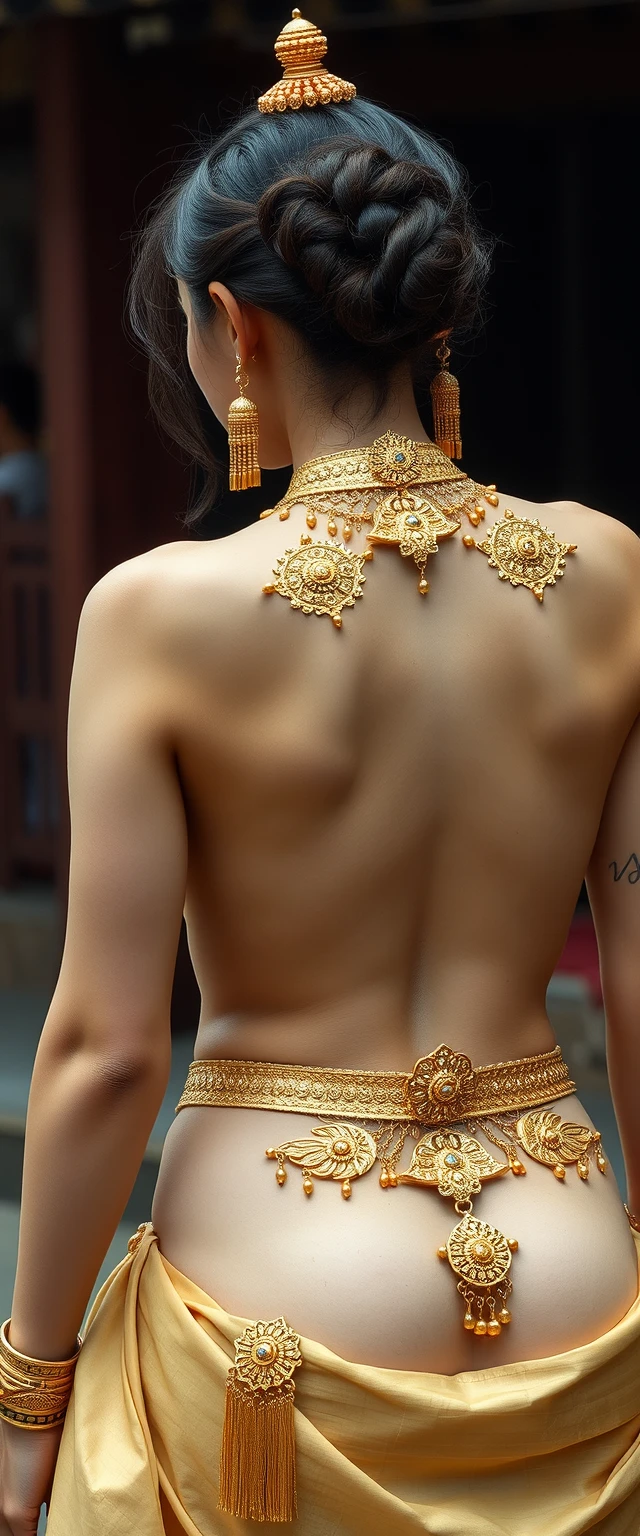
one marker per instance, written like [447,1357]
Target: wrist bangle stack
[34,1394]
[634,1222]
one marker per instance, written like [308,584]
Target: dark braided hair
[351,225]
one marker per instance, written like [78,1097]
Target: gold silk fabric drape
[545,1448]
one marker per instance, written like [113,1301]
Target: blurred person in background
[23,466]
[375,800]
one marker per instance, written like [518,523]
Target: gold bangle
[634,1222]
[34,1394]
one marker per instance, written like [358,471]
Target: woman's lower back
[362,1276]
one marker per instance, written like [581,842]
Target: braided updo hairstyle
[349,224]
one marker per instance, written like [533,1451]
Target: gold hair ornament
[244,465]
[306,82]
[34,1394]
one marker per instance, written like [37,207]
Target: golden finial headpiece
[306,82]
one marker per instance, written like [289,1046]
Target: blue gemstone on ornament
[399,458]
[451,1159]
[262,1351]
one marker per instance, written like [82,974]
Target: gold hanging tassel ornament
[244,467]
[445,402]
[258,1452]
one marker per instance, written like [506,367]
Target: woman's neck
[318,428]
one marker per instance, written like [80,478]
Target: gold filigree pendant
[454,1162]
[556,1142]
[413,524]
[481,1257]
[320,578]
[342,1152]
[525,553]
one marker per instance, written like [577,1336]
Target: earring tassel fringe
[244,466]
[445,401]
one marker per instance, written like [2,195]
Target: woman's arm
[103,1060]
[614,891]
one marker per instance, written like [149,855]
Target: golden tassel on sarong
[258,1454]
[445,402]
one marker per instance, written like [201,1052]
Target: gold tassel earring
[244,467]
[445,401]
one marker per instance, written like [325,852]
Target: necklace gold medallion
[408,496]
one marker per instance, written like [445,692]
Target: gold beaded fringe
[445,401]
[244,465]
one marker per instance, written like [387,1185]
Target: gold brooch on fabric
[257,1454]
[526,553]
[300,49]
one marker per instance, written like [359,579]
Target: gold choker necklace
[410,496]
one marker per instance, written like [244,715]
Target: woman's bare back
[387,830]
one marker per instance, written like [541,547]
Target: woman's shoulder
[171,590]
[604,543]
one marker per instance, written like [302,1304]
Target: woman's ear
[240,325]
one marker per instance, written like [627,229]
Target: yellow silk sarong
[545,1448]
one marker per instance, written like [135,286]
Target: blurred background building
[98,102]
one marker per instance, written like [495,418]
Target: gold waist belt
[443,1107]
[443,1088]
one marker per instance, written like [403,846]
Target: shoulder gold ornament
[525,553]
[320,578]
[306,82]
